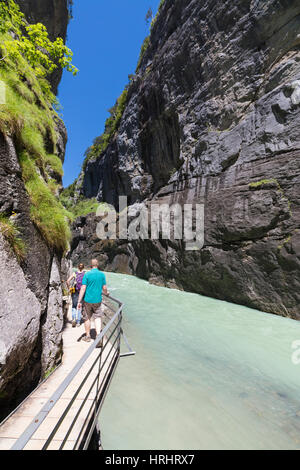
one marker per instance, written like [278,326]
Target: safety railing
[88,397]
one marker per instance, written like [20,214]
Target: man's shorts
[91,311]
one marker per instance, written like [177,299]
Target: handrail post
[120,331]
[98,380]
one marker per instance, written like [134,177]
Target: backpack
[72,286]
[79,279]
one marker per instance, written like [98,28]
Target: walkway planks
[18,422]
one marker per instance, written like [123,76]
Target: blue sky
[105,37]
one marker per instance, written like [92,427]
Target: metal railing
[104,362]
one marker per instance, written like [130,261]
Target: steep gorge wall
[54,14]
[214,110]
[31,301]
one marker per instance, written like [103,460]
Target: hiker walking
[93,286]
[74,284]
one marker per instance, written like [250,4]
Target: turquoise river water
[207,375]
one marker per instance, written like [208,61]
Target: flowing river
[207,375]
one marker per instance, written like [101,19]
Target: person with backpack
[74,284]
[93,287]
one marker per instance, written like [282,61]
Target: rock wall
[54,14]
[214,110]
[31,316]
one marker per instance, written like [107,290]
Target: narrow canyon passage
[188,110]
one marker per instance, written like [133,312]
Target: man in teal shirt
[93,287]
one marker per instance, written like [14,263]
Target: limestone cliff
[54,14]
[32,149]
[214,109]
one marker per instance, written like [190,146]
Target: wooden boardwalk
[26,414]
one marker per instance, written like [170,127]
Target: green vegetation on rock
[12,236]
[83,206]
[158,12]
[111,126]
[147,40]
[49,372]
[80,208]
[112,123]
[55,163]
[143,50]
[31,41]
[28,58]
[46,211]
[265,182]
[285,241]
[258,184]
